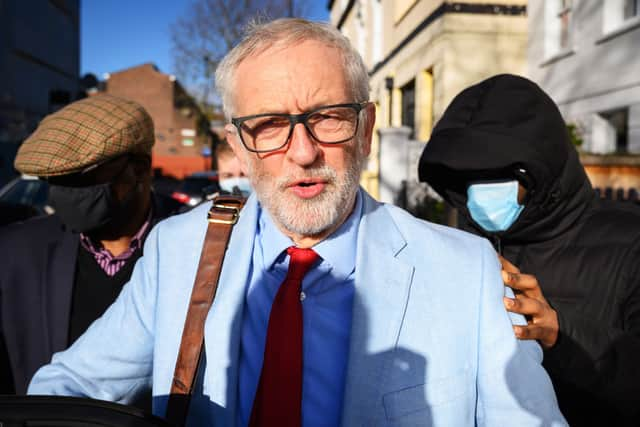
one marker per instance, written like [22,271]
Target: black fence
[621,194]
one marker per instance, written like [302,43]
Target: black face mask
[83,209]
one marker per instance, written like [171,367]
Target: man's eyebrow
[265,110]
[276,110]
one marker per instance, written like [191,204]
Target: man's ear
[233,139]
[368,123]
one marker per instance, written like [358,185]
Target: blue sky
[118,34]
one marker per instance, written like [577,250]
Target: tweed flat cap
[86,132]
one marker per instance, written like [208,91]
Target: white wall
[599,73]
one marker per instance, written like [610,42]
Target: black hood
[507,127]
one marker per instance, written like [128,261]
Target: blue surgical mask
[235,184]
[494,206]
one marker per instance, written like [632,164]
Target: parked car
[196,187]
[22,198]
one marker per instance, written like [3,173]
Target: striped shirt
[109,263]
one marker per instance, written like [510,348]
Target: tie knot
[301,261]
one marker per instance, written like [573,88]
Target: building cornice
[444,8]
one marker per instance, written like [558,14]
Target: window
[619,120]
[564,15]
[30,192]
[631,8]
[617,13]
[409,106]
[558,15]
[610,132]
[425,105]
[377,30]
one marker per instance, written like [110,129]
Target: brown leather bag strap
[222,217]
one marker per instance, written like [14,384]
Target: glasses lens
[328,125]
[265,133]
[332,125]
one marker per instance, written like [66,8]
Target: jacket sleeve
[513,387]
[112,360]
[601,359]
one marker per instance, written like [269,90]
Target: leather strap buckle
[221,217]
[225,210]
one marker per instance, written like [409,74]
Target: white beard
[309,217]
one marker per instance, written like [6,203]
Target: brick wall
[177,137]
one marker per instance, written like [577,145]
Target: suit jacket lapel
[381,292]
[57,288]
[222,343]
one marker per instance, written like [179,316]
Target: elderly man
[396,321]
[59,273]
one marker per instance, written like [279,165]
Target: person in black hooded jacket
[501,155]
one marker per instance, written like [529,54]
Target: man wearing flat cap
[60,272]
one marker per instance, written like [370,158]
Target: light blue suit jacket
[431,343]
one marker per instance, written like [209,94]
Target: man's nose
[303,149]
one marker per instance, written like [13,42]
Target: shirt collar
[135,244]
[338,249]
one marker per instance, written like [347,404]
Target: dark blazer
[36,287]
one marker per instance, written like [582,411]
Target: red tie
[279,395]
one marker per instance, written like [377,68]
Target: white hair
[288,31]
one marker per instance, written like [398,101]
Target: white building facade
[420,55]
[586,55]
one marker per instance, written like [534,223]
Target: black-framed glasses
[329,124]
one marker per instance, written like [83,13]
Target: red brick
[161,95]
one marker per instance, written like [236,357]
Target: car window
[194,185]
[30,192]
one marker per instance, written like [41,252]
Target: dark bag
[62,411]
